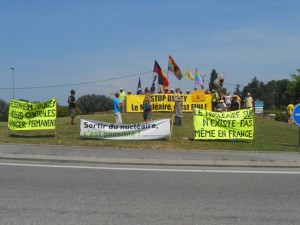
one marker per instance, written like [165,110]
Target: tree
[213,76]
[293,90]
[94,103]
[255,88]
[276,90]
[237,90]
[4,108]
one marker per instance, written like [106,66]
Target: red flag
[162,79]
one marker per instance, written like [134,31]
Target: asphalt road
[89,194]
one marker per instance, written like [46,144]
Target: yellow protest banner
[223,125]
[165,103]
[198,96]
[32,116]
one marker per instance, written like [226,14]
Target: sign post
[296,117]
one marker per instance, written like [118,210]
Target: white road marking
[154,169]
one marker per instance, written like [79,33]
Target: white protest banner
[152,130]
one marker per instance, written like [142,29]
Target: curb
[151,162]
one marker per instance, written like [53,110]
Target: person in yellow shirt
[290,109]
[122,97]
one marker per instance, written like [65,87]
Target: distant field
[270,135]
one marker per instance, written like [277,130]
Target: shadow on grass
[32,136]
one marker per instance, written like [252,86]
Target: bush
[63,111]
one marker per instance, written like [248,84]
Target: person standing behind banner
[178,111]
[117,108]
[72,105]
[122,97]
[235,103]
[147,114]
[248,101]
[227,98]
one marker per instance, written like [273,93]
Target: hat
[221,100]
[248,93]
[140,89]
[187,90]
[129,91]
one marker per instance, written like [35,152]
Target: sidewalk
[149,157]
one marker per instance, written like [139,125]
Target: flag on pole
[162,79]
[152,89]
[139,87]
[199,78]
[218,82]
[174,68]
[188,74]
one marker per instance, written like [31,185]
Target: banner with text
[32,116]
[152,130]
[223,125]
[165,102]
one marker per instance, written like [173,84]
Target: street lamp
[13,77]
[273,99]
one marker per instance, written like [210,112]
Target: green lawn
[270,135]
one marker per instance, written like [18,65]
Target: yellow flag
[188,74]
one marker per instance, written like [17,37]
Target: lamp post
[273,99]
[13,78]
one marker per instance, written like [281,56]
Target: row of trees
[275,94]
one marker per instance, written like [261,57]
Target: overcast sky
[96,47]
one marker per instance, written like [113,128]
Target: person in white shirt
[248,101]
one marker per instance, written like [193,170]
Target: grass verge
[270,135]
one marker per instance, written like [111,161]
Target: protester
[72,105]
[214,101]
[221,106]
[227,98]
[147,108]
[117,109]
[122,97]
[178,111]
[235,103]
[139,91]
[248,101]
[146,90]
[290,109]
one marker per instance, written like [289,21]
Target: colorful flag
[139,87]
[152,89]
[162,79]
[174,68]
[188,74]
[199,78]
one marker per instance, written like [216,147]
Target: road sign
[296,114]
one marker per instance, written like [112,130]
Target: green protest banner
[223,125]
[32,116]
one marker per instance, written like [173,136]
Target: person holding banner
[117,108]
[72,105]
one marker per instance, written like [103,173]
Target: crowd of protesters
[226,102]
